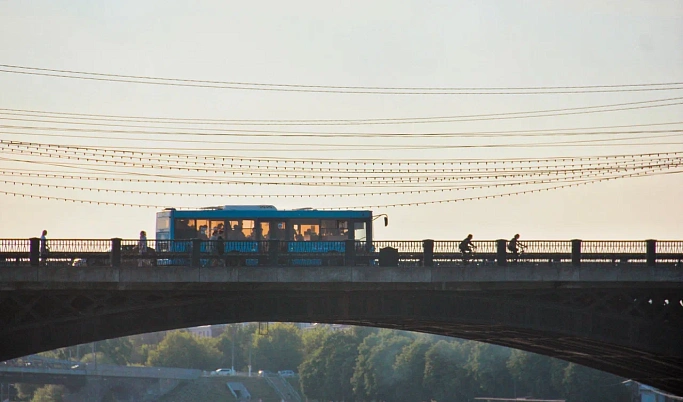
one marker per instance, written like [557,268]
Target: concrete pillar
[651,252]
[350,253]
[34,253]
[576,252]
[428,253]
[501,252]
[115,252]
[196,252]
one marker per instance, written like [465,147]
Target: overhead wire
[440,119]
[464,199]
[255,86]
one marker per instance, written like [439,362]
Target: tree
[181,349]
[243,337]
[373,376]
[49,393]
[409,369]
[535,375]
[487,365]
[119,350]
[280,349]
[342,349]
[446,377]
[583,384]
[97,357]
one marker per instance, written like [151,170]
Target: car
[265,373]
[223,371]
[286,373]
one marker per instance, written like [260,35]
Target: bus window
[163,223]
[203,229]
[334,230]
[305,229]
[276,231]
[185,229]
[359,231]
[215,226]
[239,230]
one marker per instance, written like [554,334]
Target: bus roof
[263,211]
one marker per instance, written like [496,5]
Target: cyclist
[466,248]
[514,246]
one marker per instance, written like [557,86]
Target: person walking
[44,248]
[142,248]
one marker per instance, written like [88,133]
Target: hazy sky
[425,44]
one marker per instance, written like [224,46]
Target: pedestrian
[44,248]
[142,248]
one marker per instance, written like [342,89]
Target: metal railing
[204,253]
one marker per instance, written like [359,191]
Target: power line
[577,178]
[432,119]
[494,196]
[256,165]
[255,86]
[347,161]
[73,152]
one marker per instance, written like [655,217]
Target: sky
[429,48]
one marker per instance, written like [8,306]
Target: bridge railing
[196,252]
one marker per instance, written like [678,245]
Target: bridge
[616,306]
[90,381]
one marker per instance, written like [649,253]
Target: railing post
[115,252]
[428,253]
[274,251]
[34,253]
[196,252]
[651,250]
[576,252]
[350,253]
[501,252]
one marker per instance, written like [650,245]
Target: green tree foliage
[312,339]
[25,391]
[118,350]
[583,384]
[487,365]
[280,349]
[181,349]
[326,372]
[376,362]
[409,370]
[98,357]
[243,337]
[445,374]
[536,375]
[49,393]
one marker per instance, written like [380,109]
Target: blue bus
[244,228]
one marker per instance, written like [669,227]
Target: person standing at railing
[514,245]
[44,249]
[142,248]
